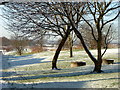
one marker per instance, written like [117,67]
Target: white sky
[3,32]
[7,34]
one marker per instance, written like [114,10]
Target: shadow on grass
[59,74]
[116,62]
[13,61]
[8,61]
[26,62]
[70,84]
[23,56]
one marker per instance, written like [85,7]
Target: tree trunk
[78,34]
[54,61]
[97,67]
[98,63]
[71,51]
[19,51]
[70,45]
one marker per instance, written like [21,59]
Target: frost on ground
[33,71]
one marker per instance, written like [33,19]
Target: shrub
[37,49]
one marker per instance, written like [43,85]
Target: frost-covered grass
[90,77]
[35,70]
[64,60]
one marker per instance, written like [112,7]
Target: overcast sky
[3,32]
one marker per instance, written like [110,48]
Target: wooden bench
[76,64]
[108,61]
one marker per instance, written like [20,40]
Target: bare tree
[69,43]
[71,39]
[56,16]
[50,17]
[98,11]
[90,41]
[19,43]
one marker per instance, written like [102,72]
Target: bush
[78,47]
[37,49]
